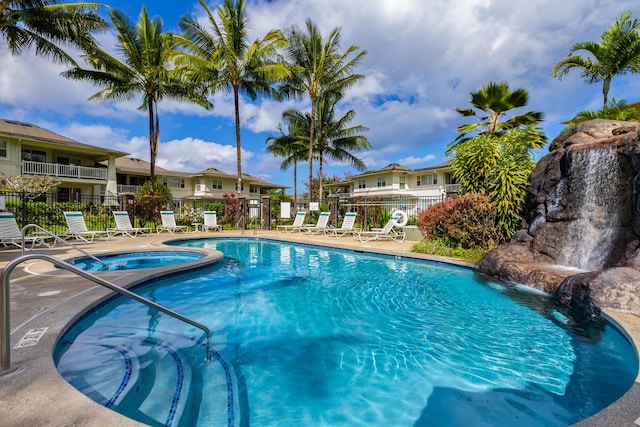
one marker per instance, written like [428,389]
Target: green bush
[441,247]
[468,222]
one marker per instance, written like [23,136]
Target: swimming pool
[135,260]
[305,335]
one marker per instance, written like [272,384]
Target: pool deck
[34,394]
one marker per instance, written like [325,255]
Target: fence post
[23,212]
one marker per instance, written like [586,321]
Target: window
[253,189]
[173,182]
[138,180]
[362,183]
[216,184]
[34,156]
[382,181]
[403,182]
[427,180]
[3,149]
[68,161]
[66,194]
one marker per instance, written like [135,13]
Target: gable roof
[393,167]
[444,165]
[29,132]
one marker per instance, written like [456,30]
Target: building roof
[27,131]
[393,167]
[444,165]
[132,165]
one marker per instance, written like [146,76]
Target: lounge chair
[347,226]
[211,221]
[169,223]
[298,223]
[11,235]
[388,232]
[124,227]
[77,228]
[320,226]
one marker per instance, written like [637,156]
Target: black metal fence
[47,210]
[372,211]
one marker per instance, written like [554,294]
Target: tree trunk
[606,84]
[153,147]
[236,103]
[320,195]
[295,183]
[311,139]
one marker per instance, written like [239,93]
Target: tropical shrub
[468,222]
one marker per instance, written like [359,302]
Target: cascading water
[594,180]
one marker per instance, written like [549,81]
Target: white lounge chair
[298,223]
[169,223]
[211,221]
[347,226]
[320,226]
[11,235]
[388,232]
[124,227]
[77,228]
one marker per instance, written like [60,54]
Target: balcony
[451,188]
[134,189]
[63,171]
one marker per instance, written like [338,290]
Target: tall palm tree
[337,138]
[145,68]
[617,53]
[493,101]
[318,68]
[227,59]
[291,145]
[44,24]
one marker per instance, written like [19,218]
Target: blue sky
[423,60]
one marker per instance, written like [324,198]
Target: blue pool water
[307,336]
[135,260]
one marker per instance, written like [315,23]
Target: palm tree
[317,69]
[291,145]
[494,100]
[46,23]
[228,61]
[617,53]
[145,69]
[614,110]
[336,138]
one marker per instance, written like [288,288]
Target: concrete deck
[41,296]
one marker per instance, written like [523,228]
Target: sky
[424,58]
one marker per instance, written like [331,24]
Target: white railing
[128,188]
[67,171]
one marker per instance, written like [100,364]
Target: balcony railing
[63,171]
[134,189]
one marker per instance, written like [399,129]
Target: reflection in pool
[308,336]
[135,260]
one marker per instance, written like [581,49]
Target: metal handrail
[58,239]
[5,331]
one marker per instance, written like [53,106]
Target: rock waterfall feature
[580,240]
